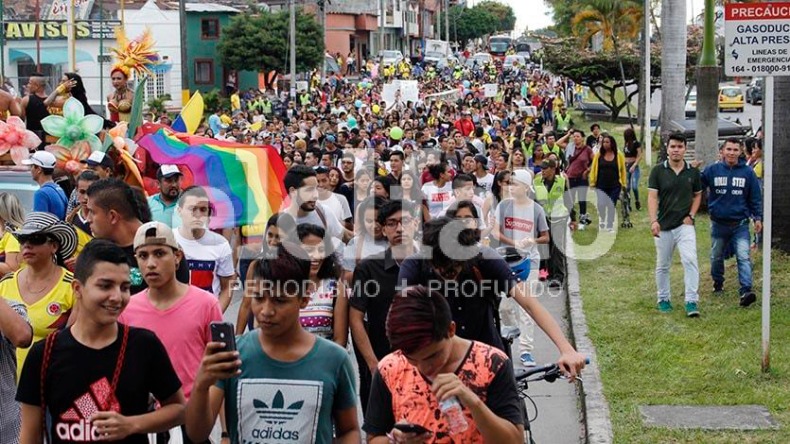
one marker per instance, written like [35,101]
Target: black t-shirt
[138,283]
[631,151]
[375,284]
[473,296]
[608,175]
[79,378]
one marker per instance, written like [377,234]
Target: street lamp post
[293,47]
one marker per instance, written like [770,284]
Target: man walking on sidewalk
[734,198]
[674,196]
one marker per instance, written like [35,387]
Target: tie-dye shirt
[400,392]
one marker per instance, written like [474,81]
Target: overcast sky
[535,15]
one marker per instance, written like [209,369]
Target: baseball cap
[523,176]
[43,159]
[98,158]
[167,171]
[330,138]
[482,159]
[155,233]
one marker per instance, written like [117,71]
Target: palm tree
[673,62]
[614,20]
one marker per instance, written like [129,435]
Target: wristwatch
[691,217]
[224,435]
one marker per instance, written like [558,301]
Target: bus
[498,46]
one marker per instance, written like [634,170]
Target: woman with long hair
[607,177]
[517,160]
[335,179]
[499,192]
[633,154]
[326,315]
[368,239]
[12,216]
[43,285]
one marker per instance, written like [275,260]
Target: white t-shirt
[337,206]
[521,222]
[486,182]
[209,258]
[438,198]
[332,225]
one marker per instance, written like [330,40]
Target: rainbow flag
[244,183]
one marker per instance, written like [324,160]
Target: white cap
[43,159]
[523,176]
[167,171]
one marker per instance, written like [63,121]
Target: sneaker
[638,206]
[718,289]
[748,299]
[585,219]
[527,360]
[691,310]
[664,306]
[555,283]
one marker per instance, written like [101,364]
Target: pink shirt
[183,328]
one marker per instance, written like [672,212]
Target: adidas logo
[277,413]
[74,424]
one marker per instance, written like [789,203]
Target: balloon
[466,84]
[352,122]
[396,133]
[358,103]
[376,109]
[118,142]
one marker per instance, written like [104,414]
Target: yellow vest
[547,198]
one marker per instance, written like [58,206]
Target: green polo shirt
[160,211]
[676,191]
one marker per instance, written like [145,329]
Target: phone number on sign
[770,68]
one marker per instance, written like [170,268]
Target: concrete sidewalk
[560,419]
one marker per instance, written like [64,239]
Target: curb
[595,408]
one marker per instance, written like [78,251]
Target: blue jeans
[739,239]
[607,200]
[632,179]
[685,239]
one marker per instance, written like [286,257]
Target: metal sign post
[757,36]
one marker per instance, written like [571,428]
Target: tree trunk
[673,63]
[706,138]
[642,98]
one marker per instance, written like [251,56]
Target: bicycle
[549,373]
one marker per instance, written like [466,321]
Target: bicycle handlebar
[550,372]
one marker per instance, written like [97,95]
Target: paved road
[753,112]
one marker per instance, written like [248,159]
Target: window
[209,29]
[155,86]
[204,71]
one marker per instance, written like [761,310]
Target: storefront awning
[50,55]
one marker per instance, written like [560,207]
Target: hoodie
[734,193]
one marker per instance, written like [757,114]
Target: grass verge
[651,358]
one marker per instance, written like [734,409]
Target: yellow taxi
[731,97]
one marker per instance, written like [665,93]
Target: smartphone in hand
[411,428]
[225,333]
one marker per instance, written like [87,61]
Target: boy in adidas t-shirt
[283,384]
[98,374]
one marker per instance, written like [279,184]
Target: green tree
[260,42]
[616,20]
[505,18]
[563,12]
[472,23]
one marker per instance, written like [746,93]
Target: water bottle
[453,412]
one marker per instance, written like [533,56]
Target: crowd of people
[380,287]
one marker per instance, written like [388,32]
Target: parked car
[691,104]
[731,97]
[754,92]
[390,57]
[17,180]
[512,61]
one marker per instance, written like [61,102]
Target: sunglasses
[35,239]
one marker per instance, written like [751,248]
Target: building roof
[356,7]
[210,7]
